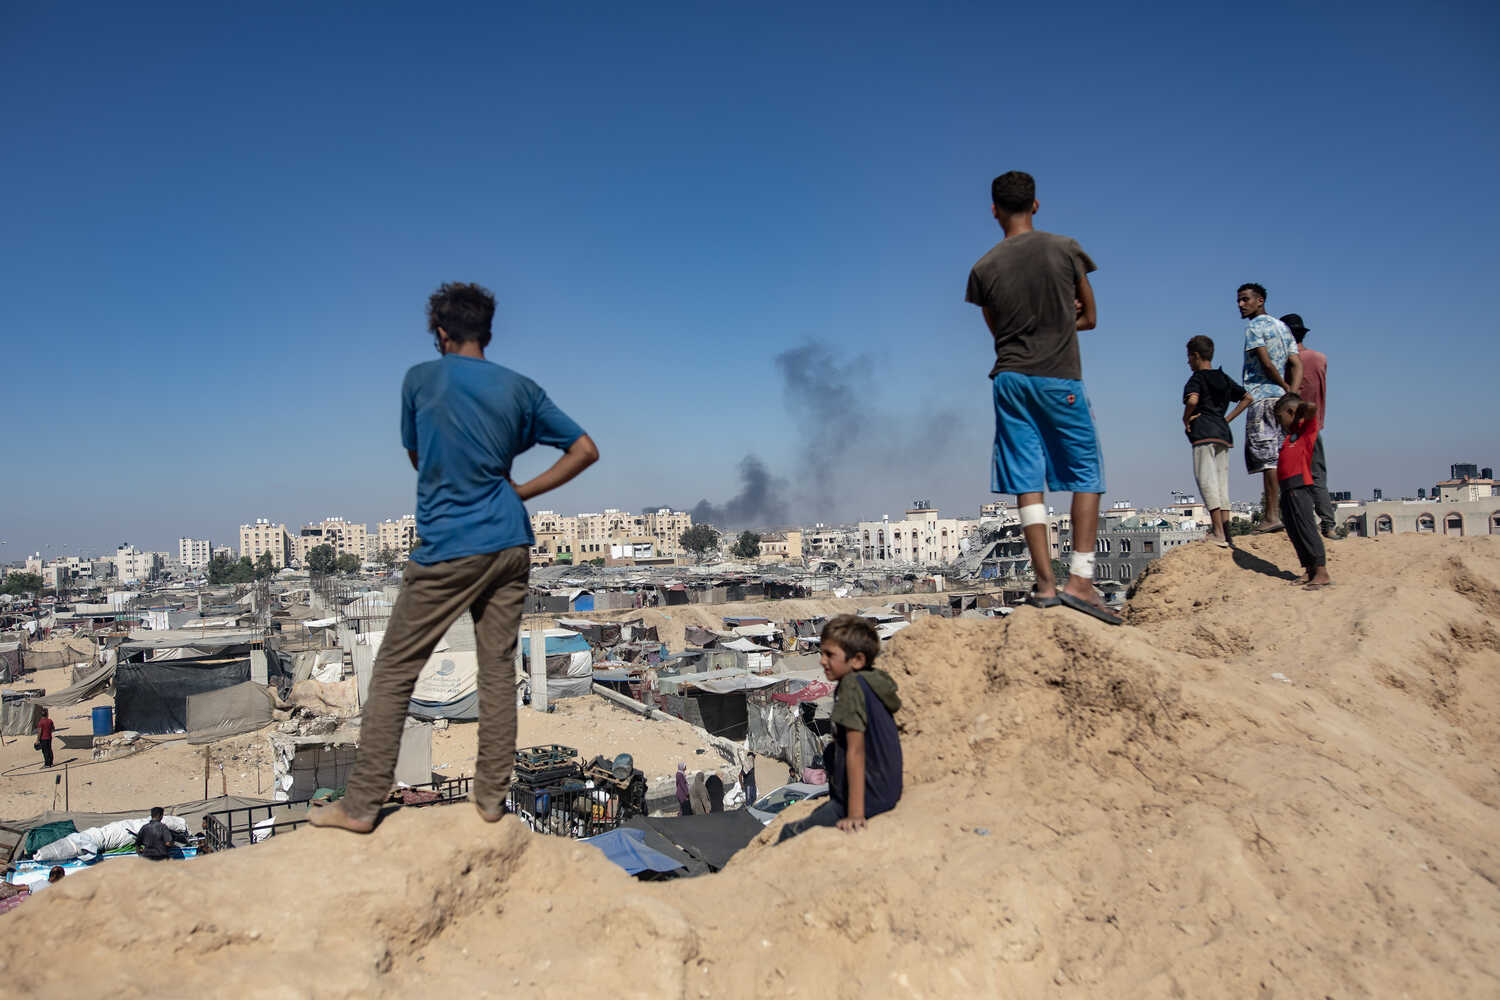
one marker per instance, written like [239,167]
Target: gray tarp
[18,713]
[82,691]
[49,653]
[213,715]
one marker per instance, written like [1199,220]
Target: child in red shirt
[1299,426]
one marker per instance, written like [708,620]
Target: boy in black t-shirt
[864,759]
[1205,399]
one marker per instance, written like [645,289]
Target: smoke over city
[760,500]
[853,456]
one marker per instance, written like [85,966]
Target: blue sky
[220,228]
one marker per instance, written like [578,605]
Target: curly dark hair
[1252,286]
[1014,191]
[463,310]
[1202,346]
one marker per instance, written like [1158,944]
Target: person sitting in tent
[155,839]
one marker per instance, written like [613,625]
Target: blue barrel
[104,720]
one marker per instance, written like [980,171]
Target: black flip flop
[1042,602]
[1093,610]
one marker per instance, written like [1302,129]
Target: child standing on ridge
[1205,398]
[864,759]
[1299,425]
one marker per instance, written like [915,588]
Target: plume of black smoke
[853,454]
[758,503]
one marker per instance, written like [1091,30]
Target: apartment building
[263,536]
[345,537]
[922,538]
[1123,548]
[398,535]
[194,553]
[589,535]
[666,527]
[135,566]
[781,546]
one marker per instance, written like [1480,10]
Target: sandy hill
[1252,791]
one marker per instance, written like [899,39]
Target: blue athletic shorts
[1044,437]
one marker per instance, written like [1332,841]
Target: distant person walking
[1205,399]
[1271,369]
[44,729]
[1314,389]
[747,779]
[464,420]
[684,796]
[699,795]
[1034,291]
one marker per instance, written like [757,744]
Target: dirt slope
[1146,811]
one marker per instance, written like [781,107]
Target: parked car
[768,805]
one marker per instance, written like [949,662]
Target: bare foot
[334,817]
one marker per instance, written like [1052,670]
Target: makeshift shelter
[10,661]
[214,715]
[48,653]
[81,690]
[153,697]
[627,848]
[19,711]
[13,831]
[712,838]
[570,662]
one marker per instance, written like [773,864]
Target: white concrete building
[133,566]
[194,553]
[922,538]
[346,538]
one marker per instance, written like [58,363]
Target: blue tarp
[570,643]
[627,848]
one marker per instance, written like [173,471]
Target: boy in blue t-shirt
[864,759]
[464,420]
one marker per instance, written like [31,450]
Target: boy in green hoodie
[864,759]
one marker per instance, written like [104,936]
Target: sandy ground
[1252,791]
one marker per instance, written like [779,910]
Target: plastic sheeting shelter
[49,653]
[10,661]
[153,697]
[80,690]
[627,848]
[712,838]
[213,715]
[18,712]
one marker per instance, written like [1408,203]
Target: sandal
[1093,610]
[1042,602]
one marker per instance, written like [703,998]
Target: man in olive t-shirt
[1034,290]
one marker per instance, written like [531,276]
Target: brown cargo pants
[492,587]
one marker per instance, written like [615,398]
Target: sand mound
[1253,791]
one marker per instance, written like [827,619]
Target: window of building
[1495,523]
[1148,546]
[1426,524]
[1101,572]
[1124,546]
[1351,525]
[1453,524]
[1383,525]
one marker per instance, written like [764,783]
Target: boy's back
[467,419]
[1028,283]
[865,701]
[1215,391]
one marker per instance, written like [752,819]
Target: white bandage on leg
[1032,513]
[1081,564]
